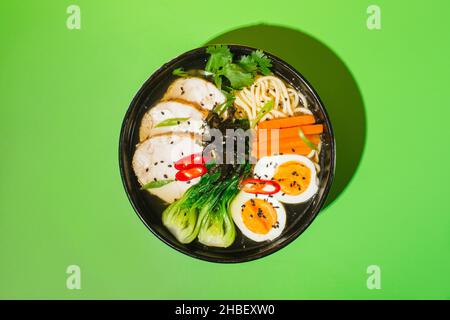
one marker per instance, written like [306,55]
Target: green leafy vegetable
[156,184]
[237,76]
[217,228]
[171,122]
[220,56]
[248,64]
[184,216]
[203,210]
[256,61]
[240,74]
[263,61]
[265,109]
[306,140]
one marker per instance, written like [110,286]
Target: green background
[64,94]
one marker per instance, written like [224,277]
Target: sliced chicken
[154,159]
[195,90]
[170,110]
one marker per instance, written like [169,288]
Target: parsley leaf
[220,56]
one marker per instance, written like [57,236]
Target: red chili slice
[194,171]
[259,186]
[189,161]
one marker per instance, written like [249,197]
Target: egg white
[266,167]
[236,206]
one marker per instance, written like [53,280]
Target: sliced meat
[166,110]
[195,90]
[154,158]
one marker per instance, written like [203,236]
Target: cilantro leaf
[240,74]
[220,56]
[248,64]
[237,76]
[262,60]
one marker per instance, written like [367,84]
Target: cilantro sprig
[239,74]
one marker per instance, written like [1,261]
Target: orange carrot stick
[287,122]
[288,141]
[285,150]
[286,146]
[288,133]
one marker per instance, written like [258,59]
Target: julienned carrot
[285,150]
[289,132]
[312,129]
[288,146]
[287,122]
[295,141]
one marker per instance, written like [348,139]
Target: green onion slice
[171,122]
[306,140]
[266,108]
[156,184]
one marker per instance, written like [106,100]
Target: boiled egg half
[295,174]
[259,217]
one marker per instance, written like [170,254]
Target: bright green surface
[64,93]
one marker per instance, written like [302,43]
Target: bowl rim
[316,209]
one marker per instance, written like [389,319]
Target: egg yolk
[259,216]
[293,177]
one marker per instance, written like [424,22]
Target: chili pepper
[192,172]
[189,161]
[259,186]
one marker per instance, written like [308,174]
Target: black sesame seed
[165,176]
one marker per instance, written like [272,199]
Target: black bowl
[149,208]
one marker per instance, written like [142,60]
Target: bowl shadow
[331,79]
